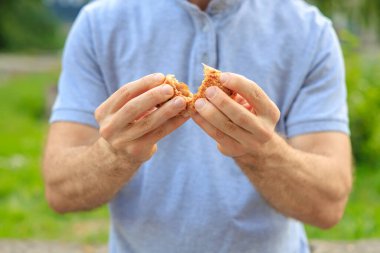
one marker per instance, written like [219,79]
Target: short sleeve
[81,88]
[321,103]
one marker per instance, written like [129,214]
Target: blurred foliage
[363,84]
[362,73]
[364,13]
[23,210]
[28,25]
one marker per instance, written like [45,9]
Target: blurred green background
[28,27]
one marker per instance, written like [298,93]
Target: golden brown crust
[211,78]
[180,89]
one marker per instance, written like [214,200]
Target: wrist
[117,164]
[264,156]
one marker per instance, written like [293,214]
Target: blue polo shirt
[189,197]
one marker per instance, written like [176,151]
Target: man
[229,179]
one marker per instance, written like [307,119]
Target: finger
[146,113]
[129,91]
[242,101]
[163,130]
[216,118]
[139,148]
[238,98]
[142,104]
[249,90]
[228,145]
[156,118]
[235,112]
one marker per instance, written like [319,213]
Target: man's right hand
[85,167]
[130,123]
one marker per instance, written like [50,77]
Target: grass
[23,210]
[25,214]
[362,216]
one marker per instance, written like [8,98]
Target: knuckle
[255,94]
[105,131]
[229,126]
[240,78]
[222,101]
[250,144]
[99,113]
[130,107]
[125,91]
[275,114]
[233,77]
[160,133]
[219,135]
[146,80]
[223,150]
[265,135]
[231,151]
[169,113]
[152,79]
[134,150]
[243,119]
[155,94]
[146,124]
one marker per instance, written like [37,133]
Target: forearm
[84,177]
[312,188]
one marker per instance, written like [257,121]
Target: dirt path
[14,63]
[362,246]
[17,246]
[11,64]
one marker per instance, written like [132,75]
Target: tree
[362,75]
[27,25]
[365,13]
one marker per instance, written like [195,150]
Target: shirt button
[204,58]
[218,7]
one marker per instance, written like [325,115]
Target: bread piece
[211,78]
[180,89]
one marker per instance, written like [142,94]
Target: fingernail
[199,104]
[158,76]
[167,89]
[223,78]
[210,92]
[179,102]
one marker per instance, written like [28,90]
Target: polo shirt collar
[219,6]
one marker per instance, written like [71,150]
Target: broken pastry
[180,89]
[211,78]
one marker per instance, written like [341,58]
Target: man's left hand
[242,125]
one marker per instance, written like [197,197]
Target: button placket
[210,56]
[218,7]
[205,58]
[204,46]
[204,29]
